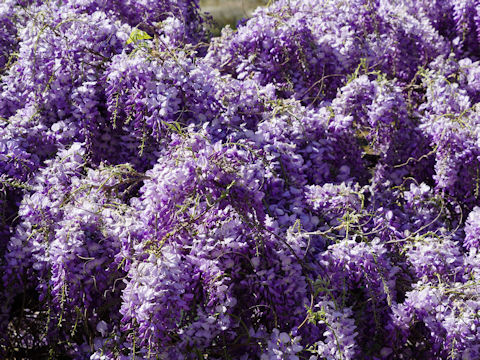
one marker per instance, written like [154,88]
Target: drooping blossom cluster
[306,186]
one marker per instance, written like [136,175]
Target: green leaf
[138,35]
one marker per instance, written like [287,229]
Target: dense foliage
[306,186]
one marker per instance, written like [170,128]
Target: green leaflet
[138,35]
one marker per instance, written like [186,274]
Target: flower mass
[305,186]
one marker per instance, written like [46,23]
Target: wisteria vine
[306,186]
